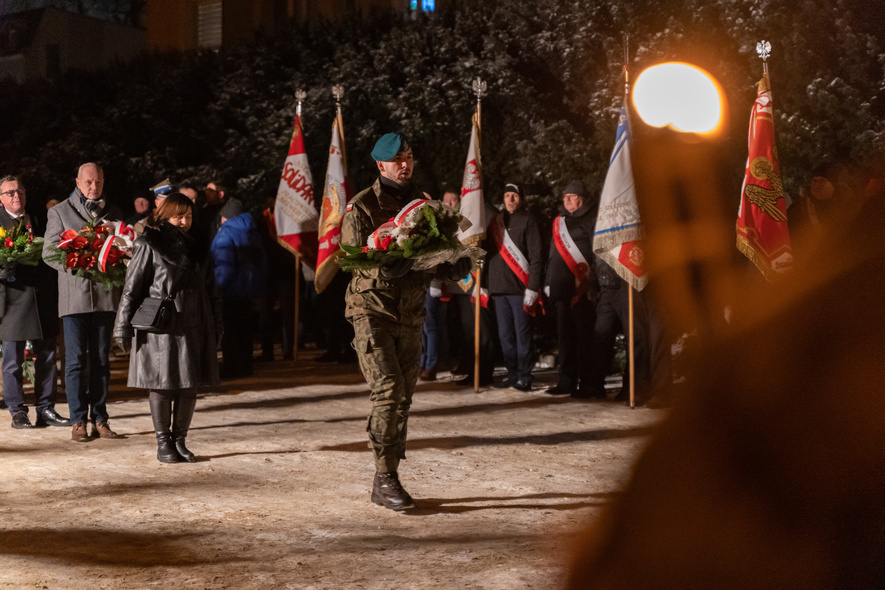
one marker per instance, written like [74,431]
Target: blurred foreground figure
[770,472]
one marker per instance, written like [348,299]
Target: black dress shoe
[588,394]
[20,421]
[49,417]
[387,491]
[558,391]
[522,386]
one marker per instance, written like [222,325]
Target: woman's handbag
[153,314]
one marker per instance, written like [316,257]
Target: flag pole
[300,95]
[479,88]
[631,357]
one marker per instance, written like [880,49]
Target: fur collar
[173,245]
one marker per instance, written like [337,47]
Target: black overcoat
[29,303]
[164,261]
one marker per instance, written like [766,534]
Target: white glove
[530,298]
[547,290]
[435,289]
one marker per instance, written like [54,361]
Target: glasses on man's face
[20,191]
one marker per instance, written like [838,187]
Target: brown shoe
[426,375]
[103,430]
[79,432]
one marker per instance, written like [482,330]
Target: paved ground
[280,495]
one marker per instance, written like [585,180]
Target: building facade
[44,43]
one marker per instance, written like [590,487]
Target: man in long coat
[28,308]
[87,309]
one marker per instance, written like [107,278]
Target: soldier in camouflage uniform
[386,307]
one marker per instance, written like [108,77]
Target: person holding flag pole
[295,216]
[762,232]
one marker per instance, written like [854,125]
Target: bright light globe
[680,95]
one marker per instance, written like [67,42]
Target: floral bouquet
[20,246]
[96,253]
[424,231]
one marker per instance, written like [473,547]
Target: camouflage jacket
[373,292]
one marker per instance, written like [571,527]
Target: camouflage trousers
[389,353]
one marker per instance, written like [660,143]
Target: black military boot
[182,413]
[161,414]
[387,491]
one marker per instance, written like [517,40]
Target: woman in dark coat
[166,260]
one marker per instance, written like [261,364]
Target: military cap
[388,146]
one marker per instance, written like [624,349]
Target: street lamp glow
[680,95]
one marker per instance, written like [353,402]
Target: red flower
[68,234]
[96,244]
[86,261]
[71,260]
[113,256]
[386,241]
[28,227]
[8,243]
[365,249]
[79,242]
[100,230]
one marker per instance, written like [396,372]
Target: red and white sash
[512,255]
[377,240]
[509,251]
[572,257]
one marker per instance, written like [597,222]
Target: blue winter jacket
[240,261]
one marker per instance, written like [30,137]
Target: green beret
[389,146]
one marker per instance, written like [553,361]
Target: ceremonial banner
[618,235]
[295,214]
[335,198]
[762,234]
[472,204]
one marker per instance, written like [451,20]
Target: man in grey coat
[29,311]
[87,309]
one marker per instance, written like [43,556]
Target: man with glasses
[29,311]
[87,309]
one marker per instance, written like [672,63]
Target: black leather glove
[398,268]
[7,271]
[461,268]
[124,344]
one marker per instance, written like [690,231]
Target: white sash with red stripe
[376,241]
[509,251]
[513,256]
[573,258]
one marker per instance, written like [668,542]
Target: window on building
[209,25]
[424,5]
